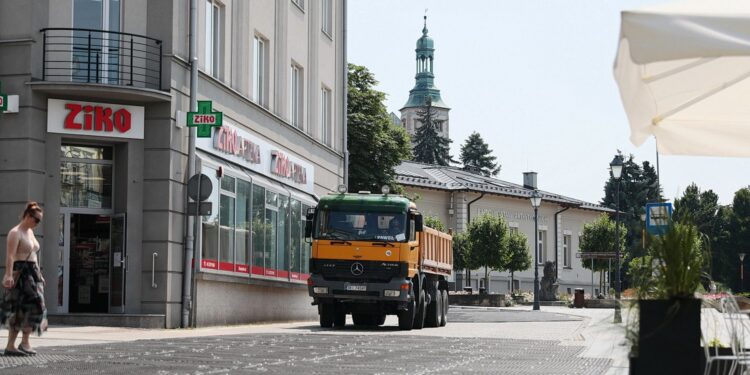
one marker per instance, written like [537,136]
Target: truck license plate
[356,287]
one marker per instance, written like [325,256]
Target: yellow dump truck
[372,257]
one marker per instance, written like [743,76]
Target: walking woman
[22,305]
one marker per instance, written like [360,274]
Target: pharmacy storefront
[252,244]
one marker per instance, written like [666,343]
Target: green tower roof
[425,79]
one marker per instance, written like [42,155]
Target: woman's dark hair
[31,208]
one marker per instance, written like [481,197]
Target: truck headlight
[392,293]
[320,290]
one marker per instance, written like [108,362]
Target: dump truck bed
[436,255]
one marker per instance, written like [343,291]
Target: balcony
[114,63]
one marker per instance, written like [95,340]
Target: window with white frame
[325,115]
[541,247]
[260,71]
[327,16]
[295,96]
[214,38]
[566,250]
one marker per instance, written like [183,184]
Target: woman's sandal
[14,353]
[26,351]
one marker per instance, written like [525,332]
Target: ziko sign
[96,119]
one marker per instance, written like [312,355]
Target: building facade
[424,89]
[456,197]
[100,140]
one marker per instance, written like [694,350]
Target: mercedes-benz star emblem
[357,268]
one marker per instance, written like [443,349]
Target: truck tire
[381,320]
[326,315]
[421,311]
[339,317]
[444,316]
[406,317]
[434,309]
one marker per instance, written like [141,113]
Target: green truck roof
[364,203]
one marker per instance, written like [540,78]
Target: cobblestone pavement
[306,349]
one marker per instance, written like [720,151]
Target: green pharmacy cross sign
[3,100]
[204,119]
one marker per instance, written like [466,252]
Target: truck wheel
[421,311]
[406,317]
[326,315]
[434,309]
[360,319]
[380,320]
[444,316]
[339,317]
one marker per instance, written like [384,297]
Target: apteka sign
[96,119]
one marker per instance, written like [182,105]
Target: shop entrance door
[96,283]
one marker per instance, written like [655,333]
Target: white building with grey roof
[456,196]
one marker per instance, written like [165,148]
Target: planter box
[496,300]
[669,337]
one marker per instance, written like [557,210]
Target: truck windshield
[361,226]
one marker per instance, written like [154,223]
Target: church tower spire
[424,86]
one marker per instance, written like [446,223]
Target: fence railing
[101,56]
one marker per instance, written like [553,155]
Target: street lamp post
[616,167]
[742,272]
[536,200]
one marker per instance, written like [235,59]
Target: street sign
[205,208]
[657,217]
[598,255]
[3,100]
[204,119]
[206,187]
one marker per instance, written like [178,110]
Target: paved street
[476,340]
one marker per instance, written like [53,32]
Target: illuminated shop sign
[97,119]
[233,143]
[283,167]
[228,141]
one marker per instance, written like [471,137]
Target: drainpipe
[557,245]
[187,273]
[346,99]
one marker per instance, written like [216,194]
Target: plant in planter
[669,330]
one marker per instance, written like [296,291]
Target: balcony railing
[101,56]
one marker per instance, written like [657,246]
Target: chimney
[529,180]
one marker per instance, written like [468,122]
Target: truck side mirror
[418,225]
[309,217]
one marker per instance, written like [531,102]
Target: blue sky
[534,78]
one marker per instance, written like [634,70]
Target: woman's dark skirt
[22,307]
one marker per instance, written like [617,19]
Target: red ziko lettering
[70,123]
[97,118]
[102,119]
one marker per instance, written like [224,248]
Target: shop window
[210,233]
[242,229]
[272,216]
[306,247]
[258,228]
[296,231]
[226,224]
[86,174]
[282,236]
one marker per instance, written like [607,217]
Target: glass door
[119,264]
[96,55]
[89,259]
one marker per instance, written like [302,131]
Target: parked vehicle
[372,256]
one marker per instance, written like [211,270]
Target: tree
[638,186]
[518,257]
[461,254]
[740,232]
[376,146]
[476,156]
[434,223]
[429,146]
[599,236]
[488,244]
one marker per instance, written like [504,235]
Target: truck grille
[372,271]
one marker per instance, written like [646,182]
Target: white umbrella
[683,70]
